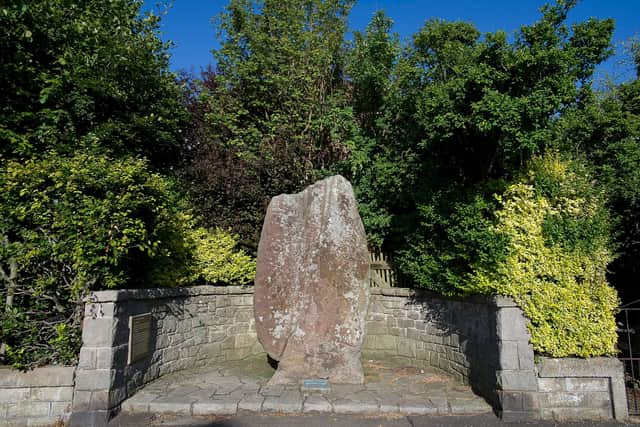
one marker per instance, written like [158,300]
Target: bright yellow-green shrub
[218,261]
[559,284]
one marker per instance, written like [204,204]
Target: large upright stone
[312,290]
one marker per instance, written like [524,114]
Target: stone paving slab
[241,388]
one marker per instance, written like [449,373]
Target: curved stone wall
[189,327]
[482,341]
[423,329]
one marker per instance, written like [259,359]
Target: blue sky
[188,23]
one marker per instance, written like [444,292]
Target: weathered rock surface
[312,291]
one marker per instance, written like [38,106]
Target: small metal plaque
[139,336]
[315,384]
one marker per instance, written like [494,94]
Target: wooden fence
[382,273]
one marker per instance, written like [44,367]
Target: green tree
[464,115]
[72,225]
[604,128]
[85,73]
[274,114]
[89,109]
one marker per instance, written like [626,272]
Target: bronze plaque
[139,336]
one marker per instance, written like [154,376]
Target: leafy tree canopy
[85,73]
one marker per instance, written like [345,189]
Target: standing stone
[312,289]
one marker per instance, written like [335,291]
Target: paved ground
[333,420]
[241,388]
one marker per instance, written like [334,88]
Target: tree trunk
[10,279]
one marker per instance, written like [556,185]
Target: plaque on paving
[315,384]
[139,336]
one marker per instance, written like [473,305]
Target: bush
[557,229]
[72,225]
[217,261]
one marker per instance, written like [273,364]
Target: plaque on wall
[139,336]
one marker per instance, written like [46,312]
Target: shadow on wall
[467,330]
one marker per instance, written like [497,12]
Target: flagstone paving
[241,387]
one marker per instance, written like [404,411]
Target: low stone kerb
[39,377]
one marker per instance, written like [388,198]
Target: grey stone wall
[485,342]
[40,397]
[191,327]
[419,328]
[581,388]
[481,341]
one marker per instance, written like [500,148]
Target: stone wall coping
[161,293]
[46,376]
[498,301]
[595,367]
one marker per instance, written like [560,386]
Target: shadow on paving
[328,420]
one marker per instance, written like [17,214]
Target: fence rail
[628,321]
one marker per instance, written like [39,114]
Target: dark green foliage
[85,73]
[86,96]
[72,225]
[605,131]
[460,116]
[274,115]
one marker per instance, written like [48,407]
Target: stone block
[81,400]
[511,400]
[117,395]
[511,325]
[28,409]
[316,403]
[52,394]
[87,358]
[343,406]
[369,342]
[518,416]
[12,395]
[414,314]
[105,356]
[418,408]
[60,408]
[97,379]
[99,400]
[587,384]
[525,355]
[414,334]
[45,376]
[89,418]
[174,408]
[386,342]
[468,406]
[568,414]
[517,381]
[573,367]
[227,406]
[552,384]
[98,332]
[100,309]
[251,403]
[377,328]
[245,340]
[600,400]
[563,400]
[530,401]
[406,347]
[619,398]
[406,323]
[285,403]
[455,340]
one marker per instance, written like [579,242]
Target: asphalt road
[341,421]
